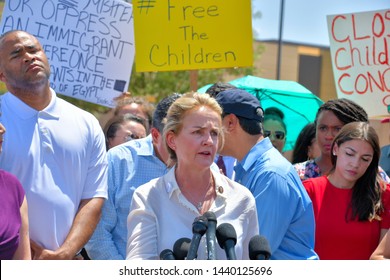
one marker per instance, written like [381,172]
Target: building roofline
[293,43]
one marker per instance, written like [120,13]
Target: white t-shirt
[59,156]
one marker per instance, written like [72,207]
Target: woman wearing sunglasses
[275,128]
[123,128]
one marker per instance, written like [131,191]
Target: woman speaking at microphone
[163,210]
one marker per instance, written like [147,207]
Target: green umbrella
[298,104]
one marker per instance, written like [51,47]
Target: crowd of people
[74,188]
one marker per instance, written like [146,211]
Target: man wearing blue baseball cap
[285,211]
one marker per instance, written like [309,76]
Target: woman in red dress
[351,204]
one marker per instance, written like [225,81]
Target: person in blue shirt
[285,211]
[384,160]
[130,165]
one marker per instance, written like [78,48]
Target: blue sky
[305,20]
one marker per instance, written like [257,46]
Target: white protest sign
[360,46]
[89,43]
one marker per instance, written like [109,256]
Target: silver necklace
[199,205]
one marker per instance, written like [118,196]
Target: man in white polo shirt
[55,149]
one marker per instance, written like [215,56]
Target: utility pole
[279,62]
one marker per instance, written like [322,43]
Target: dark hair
[303,142]
[218,87]
[252,127]
[274,111]
[115,122]
[366,202]
[161,111]
[275,114]
[345,110]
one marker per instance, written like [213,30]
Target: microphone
[167,255]
[199,228]
[210,235]
[259,248]
[181,248]
[227,239]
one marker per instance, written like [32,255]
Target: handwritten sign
[175,35]
[89,43]
[360,47]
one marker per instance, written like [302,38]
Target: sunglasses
[132,137]
[279,135]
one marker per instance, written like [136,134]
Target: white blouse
[160,215]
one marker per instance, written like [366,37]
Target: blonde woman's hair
[177,112]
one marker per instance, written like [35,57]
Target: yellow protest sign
[175,35]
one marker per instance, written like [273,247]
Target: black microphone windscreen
[259,248]
[199,228]
[226,232]
[199,225]
[167,255]
[210,216]
[181,247]
[210,235]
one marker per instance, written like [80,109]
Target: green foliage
[157,85]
